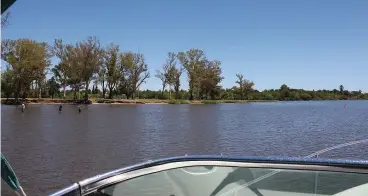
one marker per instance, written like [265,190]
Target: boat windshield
[231,181]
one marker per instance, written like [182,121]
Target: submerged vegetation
[87,70]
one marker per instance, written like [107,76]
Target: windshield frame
[90,185]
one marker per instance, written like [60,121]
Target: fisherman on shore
[60,108]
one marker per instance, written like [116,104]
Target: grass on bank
[209,102]
[178,101]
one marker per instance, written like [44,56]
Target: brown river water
[50,150]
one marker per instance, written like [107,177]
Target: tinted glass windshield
[231,181]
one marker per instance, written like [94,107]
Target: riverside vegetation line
[87,69]
[125,101]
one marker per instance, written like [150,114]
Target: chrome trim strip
[73,187]
[92,184]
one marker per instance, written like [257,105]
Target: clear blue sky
[311,44]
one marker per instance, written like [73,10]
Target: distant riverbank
[125,101]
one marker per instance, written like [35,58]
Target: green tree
[63,70]
[166,74]
[192,61]
[113,71]
[135,70]
[7,82]
[284,92]
[101,78]
[210,79]
[90,56]
[75,73]
[341,89]
[245,86]
[53,87]
[28,59]
[175,74]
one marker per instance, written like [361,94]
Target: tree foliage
[135,70]
[28,59]
[204,75]
[114,71]
[168,73]
[53,87]
[63,70]
[245,86]
[119,73]
[7,82]
[192,61]
[175,74]
[210,78]
[89,55]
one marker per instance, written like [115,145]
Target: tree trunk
[169,92]
[103,89]
[75,95]
[86,91]
[64,91]
[17,92]
[134,90]
[176,88]
[79,93]
[191,86]
[32,88]
[39,92]
[162,93]
[110,93]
